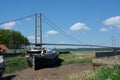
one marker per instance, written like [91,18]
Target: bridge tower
[38,28]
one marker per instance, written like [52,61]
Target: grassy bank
[15,64]
[20,63]
[102,73]
[76,59]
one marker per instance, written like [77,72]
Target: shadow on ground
[10,77]
[49,63]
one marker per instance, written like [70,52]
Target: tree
[12,39]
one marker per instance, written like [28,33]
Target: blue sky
[89,21]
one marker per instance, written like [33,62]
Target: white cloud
[28,19]
[52,32]
[46,35]
[8,25]
[33,37]
[79,26]
[104,29]
[112,21]
[30,37]
[61,42]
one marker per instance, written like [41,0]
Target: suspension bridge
[38,18]
[42,56]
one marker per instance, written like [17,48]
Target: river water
[82,52]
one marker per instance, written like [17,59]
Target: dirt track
[54,73]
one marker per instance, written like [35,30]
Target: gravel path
[55,73]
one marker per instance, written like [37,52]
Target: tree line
[13,39]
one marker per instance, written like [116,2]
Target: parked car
[2,66]
[3,48]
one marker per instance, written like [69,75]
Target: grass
[19,63]
[15,64]
[105,73]
[75,59]
[102,73]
